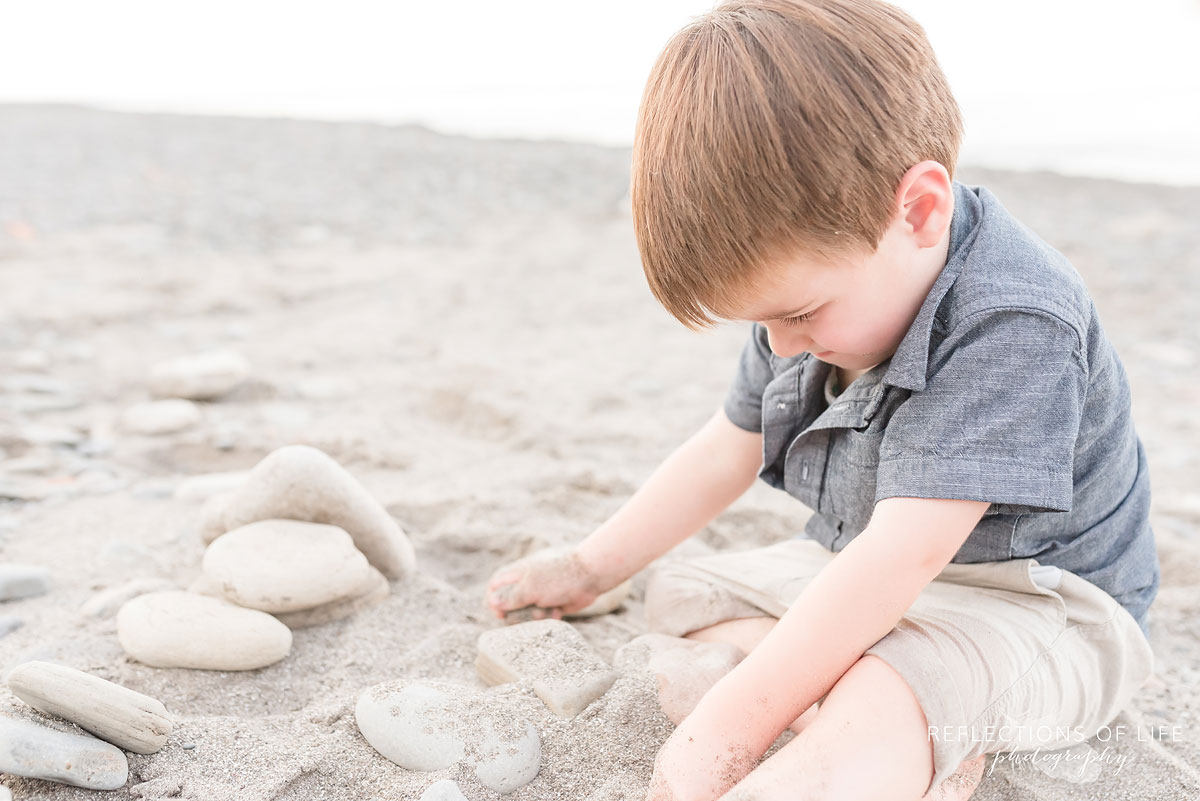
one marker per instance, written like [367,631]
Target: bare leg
[869,742]
[746,633]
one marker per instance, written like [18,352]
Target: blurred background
[1077,86]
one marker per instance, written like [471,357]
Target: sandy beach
[463,325]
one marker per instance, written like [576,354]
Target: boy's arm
[693,485]
[850,605]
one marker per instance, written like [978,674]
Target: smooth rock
[9,624]
[206,485]
[105,604]
[430,725]
[39,752]
[299,482]
[445,790]
[564,670]
[417,725]
[22,581]
[338,610]
[114,713]
[204,376]
[153,418]
[5,795]
[287,565]
[181,629]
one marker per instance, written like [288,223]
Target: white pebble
[430,725]
[205,486]
[180,629]
[205,376]
[39,752]
[153,418]
[287,565]
[114,713]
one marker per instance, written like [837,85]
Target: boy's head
[771,129]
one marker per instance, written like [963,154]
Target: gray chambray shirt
[1004,389]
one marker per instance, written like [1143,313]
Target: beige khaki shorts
[997,661]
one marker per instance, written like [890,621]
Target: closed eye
[799,318]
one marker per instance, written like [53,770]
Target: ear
[925,202]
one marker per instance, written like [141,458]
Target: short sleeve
[998,417]
[743,403]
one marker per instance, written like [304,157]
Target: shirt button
[804,472]
[781,405]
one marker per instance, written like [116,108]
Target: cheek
[851,330]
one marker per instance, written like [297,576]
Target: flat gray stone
[22,581]
[38,752]
[9,624]
[299,482]
[429,725]
[121,716]
[564,670]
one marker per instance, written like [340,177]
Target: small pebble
[153,418]
[22,581]
[9,624]
[206,485]
[204,376]
[188,746]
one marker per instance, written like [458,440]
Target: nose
[786,344]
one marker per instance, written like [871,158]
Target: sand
[463,325]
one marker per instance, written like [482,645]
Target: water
[1093,88]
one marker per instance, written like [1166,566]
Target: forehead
[782,290]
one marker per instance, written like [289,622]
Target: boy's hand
[546,584]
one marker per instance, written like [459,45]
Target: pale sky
[1080,86]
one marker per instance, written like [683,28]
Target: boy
[926,374]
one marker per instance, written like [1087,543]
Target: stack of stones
[118,716]
[299,543]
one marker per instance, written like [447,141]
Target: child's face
[852,312]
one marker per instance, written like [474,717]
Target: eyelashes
[799,318]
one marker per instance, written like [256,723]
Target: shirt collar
[910,362]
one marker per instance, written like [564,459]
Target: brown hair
[776,126]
